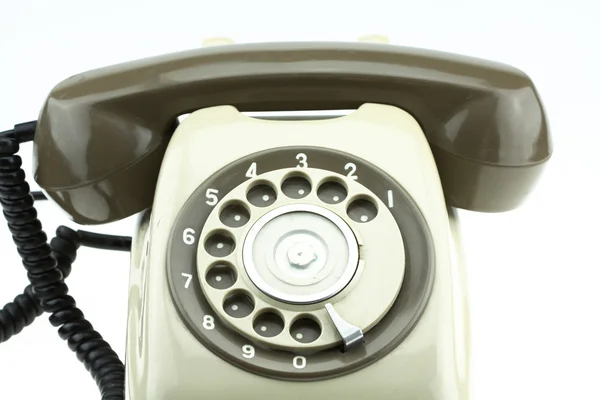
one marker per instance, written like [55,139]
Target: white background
[534,272]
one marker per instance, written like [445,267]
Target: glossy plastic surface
[102,134]
[166,361]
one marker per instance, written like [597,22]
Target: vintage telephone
[276,256]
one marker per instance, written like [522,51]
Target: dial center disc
[300,254]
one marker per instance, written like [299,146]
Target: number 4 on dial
[251,173]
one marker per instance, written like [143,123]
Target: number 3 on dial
[302,160]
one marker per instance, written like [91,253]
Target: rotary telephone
[275,256]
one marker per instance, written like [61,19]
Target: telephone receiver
[294,257]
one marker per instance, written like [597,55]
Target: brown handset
[102,134]
[298,257]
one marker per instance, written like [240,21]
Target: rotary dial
[300,263]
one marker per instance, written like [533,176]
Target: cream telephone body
[294,258]
[254,364]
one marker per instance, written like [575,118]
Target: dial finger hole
[362,210]
[219,244]
[305,330]
[296,187]
[221,276]
[332,192]
[261,195]
[238,304]
[234,215]
[268,324]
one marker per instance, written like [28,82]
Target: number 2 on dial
[351,168]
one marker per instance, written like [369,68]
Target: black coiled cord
[19,313]
[47,265]
[26,307]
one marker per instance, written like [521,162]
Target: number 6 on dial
[188,236]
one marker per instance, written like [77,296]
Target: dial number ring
[229,345]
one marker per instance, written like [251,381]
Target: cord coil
[47,265]
[19,313]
